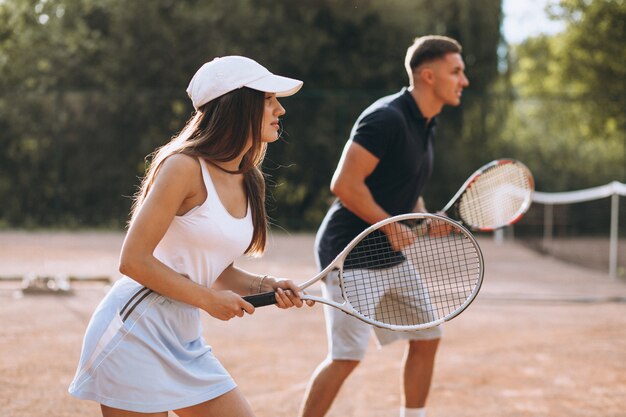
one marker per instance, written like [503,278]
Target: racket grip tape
[263,299]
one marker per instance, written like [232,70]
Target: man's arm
[348,184]
[420,206]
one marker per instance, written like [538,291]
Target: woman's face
[270,126]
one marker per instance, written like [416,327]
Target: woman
[200,206]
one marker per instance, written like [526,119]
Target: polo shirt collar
[414,110]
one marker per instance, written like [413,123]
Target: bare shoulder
[180,165]
[179,174]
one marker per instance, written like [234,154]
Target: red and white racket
[496,195]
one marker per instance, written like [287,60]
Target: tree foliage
[90,87]
[569,118]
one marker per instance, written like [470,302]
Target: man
[382,172]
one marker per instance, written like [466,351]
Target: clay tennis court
[543,338]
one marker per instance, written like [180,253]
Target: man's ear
[426,75]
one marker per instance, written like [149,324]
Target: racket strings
[430,279]
[497,197]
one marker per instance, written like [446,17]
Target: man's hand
[399,235]
[438,228]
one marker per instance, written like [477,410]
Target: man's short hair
[429,48]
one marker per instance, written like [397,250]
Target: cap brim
[281,86]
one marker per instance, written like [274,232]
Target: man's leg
[419,362]
[347,342]
[324,386]
[419,357]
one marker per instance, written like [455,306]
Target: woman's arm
[176,189]
[246,283]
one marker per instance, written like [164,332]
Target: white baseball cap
[228,73]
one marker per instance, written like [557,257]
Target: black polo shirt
[394,130]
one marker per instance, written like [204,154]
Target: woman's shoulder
[181,164]
[180,172]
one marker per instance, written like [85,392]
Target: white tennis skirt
[144,352]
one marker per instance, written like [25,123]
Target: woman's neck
[231,166]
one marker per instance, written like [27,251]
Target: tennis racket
[432,279]
[496,195]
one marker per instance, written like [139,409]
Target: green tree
[569,118]
[89,87]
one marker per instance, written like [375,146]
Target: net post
[498,236]
[548,227]
[614,238]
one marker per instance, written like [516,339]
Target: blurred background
[88,88]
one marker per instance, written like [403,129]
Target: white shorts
[348,336]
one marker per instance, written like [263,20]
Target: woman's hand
[225,305]
[286,291]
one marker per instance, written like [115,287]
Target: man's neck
[429,106]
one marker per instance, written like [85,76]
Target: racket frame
[337,264]
[480,171]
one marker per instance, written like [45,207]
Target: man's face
[449,79]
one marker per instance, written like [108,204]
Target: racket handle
[263,299]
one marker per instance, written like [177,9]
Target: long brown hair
[218,132]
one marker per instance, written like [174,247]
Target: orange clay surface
[543,338]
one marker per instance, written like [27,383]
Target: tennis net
[585,227]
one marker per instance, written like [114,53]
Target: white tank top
[205,240]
